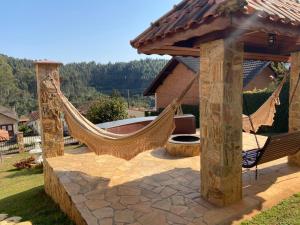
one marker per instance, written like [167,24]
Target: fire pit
[184,145]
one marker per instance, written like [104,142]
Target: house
[34,122]
[23,120]
[8,120]
[179,71]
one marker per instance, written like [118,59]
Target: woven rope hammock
[126,146]
[265,114]
[152,136]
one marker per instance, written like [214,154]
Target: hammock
[125,146]
[265,114]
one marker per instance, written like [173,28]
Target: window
[9,127]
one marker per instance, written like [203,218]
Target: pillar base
[294,160]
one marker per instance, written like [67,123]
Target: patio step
[13,220]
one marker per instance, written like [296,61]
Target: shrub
[26,130]
[107,109]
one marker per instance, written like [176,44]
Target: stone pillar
[221,83]
[50,115]
[20,140]
[294,112]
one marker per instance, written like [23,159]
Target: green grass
[22,194]
[286,213]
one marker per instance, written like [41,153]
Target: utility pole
[128,98]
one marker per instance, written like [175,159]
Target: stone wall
[221,75]
[57,192]
[294,117]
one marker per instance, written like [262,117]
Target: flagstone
[106,212]
[166,195]
[124,216]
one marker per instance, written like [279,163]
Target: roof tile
[190,13]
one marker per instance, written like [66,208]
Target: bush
[107,109]
[27,131]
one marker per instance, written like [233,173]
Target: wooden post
[221,83]
[20,140]
[49,110]
[294,112]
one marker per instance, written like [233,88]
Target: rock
[104,213]
[163,204]
[96,204]
[124,216]
[153,218]
[129,200]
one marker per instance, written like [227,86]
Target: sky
[76,30]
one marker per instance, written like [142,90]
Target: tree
[107,109]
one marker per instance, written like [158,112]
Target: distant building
[179,71]
[34,122]
[8,120]
[23,120]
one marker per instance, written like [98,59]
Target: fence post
[20,141]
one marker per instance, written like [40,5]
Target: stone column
[50,115]
[294,112]
[20,139]
[221,82]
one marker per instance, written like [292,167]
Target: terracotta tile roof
[192,13]
[4,136]
[252,68]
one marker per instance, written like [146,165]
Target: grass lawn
[286,213]
[22,194]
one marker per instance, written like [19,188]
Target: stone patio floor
[156,189]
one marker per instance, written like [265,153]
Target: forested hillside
[80,81]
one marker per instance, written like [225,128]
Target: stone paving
[13,220]
[155,188]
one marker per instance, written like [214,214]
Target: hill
[80,82]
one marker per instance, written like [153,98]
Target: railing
[11,146]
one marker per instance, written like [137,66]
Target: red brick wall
[173,86]
[180,78]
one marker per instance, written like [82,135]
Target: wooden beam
[174,51]
[266,57]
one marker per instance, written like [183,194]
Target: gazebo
[224,33]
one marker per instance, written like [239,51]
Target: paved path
[155,188]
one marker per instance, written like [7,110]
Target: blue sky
[76,30]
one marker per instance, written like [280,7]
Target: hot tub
[185,124]
[184,145]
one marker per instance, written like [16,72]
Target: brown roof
[4,136]
[33,116]
[23,119]
[193,13]
[8,113]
